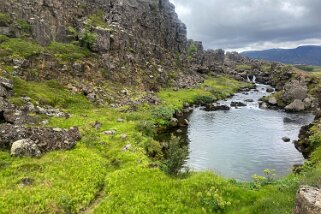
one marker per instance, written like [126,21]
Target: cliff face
[148,28]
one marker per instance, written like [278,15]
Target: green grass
[215,88]
[48,93]
[68,181]
[24,25]
[97,20]
[68,51]
[5,19]
[20,48]
[243,67]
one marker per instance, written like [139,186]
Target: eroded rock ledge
[308,201]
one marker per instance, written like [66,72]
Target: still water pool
[244,141]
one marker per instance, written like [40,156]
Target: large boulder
[46,139]
[25,147]
[295,106]
[295,90]
[5,87]
[308,201]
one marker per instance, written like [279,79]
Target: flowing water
[244,141]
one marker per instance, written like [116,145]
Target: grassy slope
[68,181]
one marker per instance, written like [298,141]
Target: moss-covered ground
[124,181]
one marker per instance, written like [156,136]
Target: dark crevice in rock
[2,119]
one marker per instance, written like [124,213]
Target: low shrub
[176,156]
[162,115]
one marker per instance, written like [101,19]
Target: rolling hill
[309,55]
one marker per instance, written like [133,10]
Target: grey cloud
[237,24]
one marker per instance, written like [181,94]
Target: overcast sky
[251,24]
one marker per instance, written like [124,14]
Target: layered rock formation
[146,26]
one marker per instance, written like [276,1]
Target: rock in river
[237,104]
[286,139]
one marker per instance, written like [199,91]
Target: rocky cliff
[147,28]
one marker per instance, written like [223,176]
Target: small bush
[204,99]
[87,39]
[175,157]
[5,19]
[146,127]
[153,149]
[162,115]
[24,25]
[212,199]
[260,181]
[97,20]
[3,38]
[315,140]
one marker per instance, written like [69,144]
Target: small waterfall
[248,79]
[254,79]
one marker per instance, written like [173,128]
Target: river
[244,141]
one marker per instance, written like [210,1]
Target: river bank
[120,169]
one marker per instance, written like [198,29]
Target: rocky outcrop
[204,61]
[308,201]
[295,106]
[25,147]
[295,90]
[33,141]
[145,26]
[302,144]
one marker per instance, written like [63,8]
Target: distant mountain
[309,55]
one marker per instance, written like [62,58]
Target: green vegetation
[121,180]
[88,39]
[192,49]
[243,67]
[5,19]
[24,25]
[3,38]
[97,20]
[266,67]
[308,68]
[47,93]
[17,48]
[175,157]
[212,89]
[67,51]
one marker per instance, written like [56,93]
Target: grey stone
[295,106]
[46,139]
[286,139]
[25,147]
[272,101]
[174,122]
[308,201]
[295,90]
[270,90]
[109,132]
